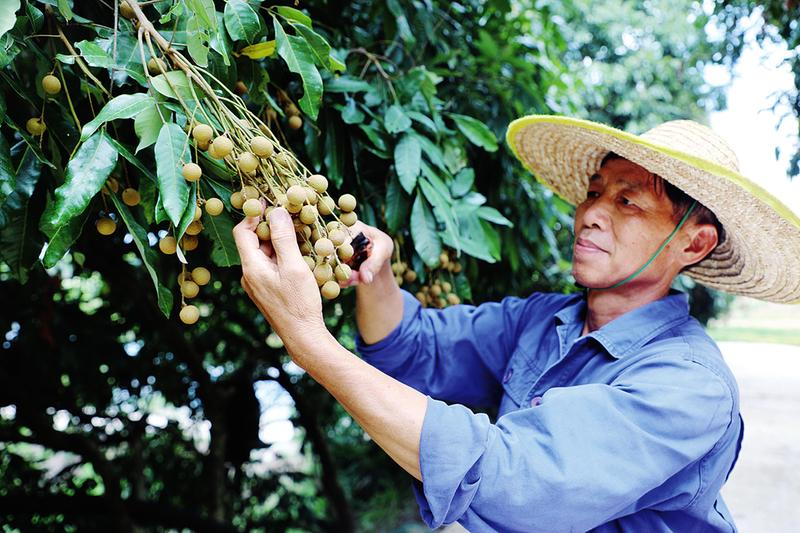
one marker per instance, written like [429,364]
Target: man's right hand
[379,256]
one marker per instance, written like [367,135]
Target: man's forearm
[389,411]
[379,306]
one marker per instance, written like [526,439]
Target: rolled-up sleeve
[456,354]
[581,458]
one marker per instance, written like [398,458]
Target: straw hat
[760,255]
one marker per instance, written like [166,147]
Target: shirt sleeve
[586,455]
[456,354]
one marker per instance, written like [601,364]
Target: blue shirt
[632,427]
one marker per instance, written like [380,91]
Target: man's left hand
[279,282]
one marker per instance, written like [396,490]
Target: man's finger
[247,243]
[284,240]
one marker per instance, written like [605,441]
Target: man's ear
[702,239]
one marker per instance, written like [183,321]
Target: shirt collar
[635,328]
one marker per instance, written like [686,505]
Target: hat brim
[760,256]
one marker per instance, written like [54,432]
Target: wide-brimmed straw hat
[760,253]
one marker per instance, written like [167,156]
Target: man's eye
[626,201]
[592,194]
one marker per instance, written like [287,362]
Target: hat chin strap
[652,258]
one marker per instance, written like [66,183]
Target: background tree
[114,415]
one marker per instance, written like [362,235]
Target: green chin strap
[652,258]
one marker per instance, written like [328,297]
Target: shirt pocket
[521,373]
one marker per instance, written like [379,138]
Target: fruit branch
[80,62]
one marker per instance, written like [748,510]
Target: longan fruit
[51,84]
[453,299]
[189,242]
[131,197]
[156,65]
[106,226]
[444,259]
[248,192]
[342,272]
[446,287]
[306,248]
[436,290]
[333,225]
[271,115]
[423,299]
[253,208]
[202,133]
[198,213]
[337,237]
[295,122]
[308,214]
[348,219]
[296,194]
[347,203]
[291,110]
[112,184]
[212,152]
[304,232]
[247,162]
[183,276]
[189,289]
[214,206]
[167,245]
[293,208]
[324,247]
[457,267]
[310,262]
[326,205]
[201,275]
[311,195]
[398,280]
[398,268]
[315,234]
[330,290]
[318,182]
[35,126]
[189,314]
[262,230]
[191,172]
[410,276]
[240,87]
[222,146]
[283,159]
[261,146]
[323,273]
[194,228]
[126,10]
[237,200]
[345,251]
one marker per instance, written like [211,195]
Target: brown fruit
[131,197]
[106,226]
[293,208]
[240,88]
[324,247]
[201,275]
[337,237]
[342,272]
[194,228]
[262,230]
[183,276]
[446,287]
[189,314]
[348,219]
[198,213]
[167,245]
[126,10]
[212,152]
[306,248]
[347,203]
[271,115]
[253,208]
[310,262]
[398,280]
[345,251]
[247,162]
[283,159]
[311,195]
[202,133]
[330,290]
[318,182]
[457,267]
[191,172]
[189,242]
[248,192]
[296,194]
[51,84]
[261,146]
[295,122]
[156,65]
[214,206]
[35,126]
[326,205]
[291,110]
[398,268]
[237,200]
[410,276]
[323,273]
[308,214]
[189,289]
[333,225]
[423,299]
[436,290]
[453,299]
[111,185]
[222,146]
[444,259]
[303,232]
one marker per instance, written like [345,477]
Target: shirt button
[536,401]
[509,373]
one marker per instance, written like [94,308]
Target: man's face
[620,225]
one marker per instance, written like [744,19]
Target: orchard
[135,135]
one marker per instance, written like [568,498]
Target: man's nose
[596,214]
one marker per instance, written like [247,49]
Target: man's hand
[278,281]
[379,254]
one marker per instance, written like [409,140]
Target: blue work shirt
[632,427]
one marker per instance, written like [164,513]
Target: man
[616,410]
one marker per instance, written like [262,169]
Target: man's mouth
[586,246]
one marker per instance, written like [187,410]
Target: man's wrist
[314,341]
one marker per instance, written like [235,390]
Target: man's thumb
[282,234]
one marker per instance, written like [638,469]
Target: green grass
[750,320]
[754,334]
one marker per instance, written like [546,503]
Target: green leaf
[63,237]
[188,213]
[179,81]
[26,176]
[66,11]
[407,160]
[20,243]
[132,159]
[94,54]
[32,143]
[205,12]
[87,171]
[128,63]
[147,125]
[8,178]
[123,106]
[148,255]
[294,14]
[423,230]
[351,114]
[476,131]
[335,153]
[493,215]
[395,120]
[463,182]
[8,8]
[259,50]
[300,60]
[241,21]
[220,230]
[430,149]
[397,204]
[319,46]
[442,209]
[171,153]
[220,42]
[346,84]
[197,42]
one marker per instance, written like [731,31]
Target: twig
[80,62]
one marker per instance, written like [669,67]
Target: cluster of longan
[105,224]
[437,292]
[51,86]
[190,283]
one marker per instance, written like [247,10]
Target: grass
[754,321]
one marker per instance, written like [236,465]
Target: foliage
[124,418]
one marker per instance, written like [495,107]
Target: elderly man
[616,410]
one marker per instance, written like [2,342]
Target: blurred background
[115,418]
